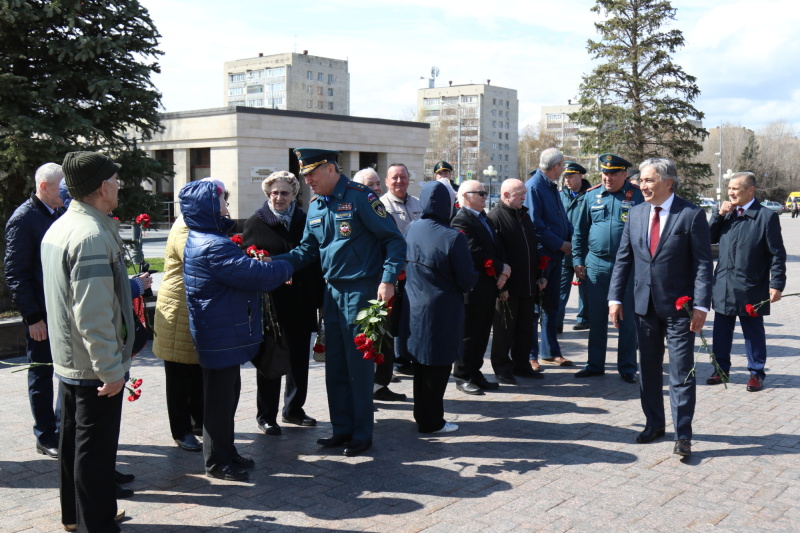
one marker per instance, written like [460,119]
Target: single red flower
[401,276]
[489,267]
[379,359]
[360,339]
[132,398]
[116,218]
[576,282]
[319,348]
[237,239]
[543,261]
[137,383]
[751,310]
[682,302]
[143,220]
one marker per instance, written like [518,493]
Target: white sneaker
[448,428]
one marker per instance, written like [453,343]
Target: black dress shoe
[586,373]
[121,478]
[122,492]
[481,381]
[628,378]
[189,443]
[527,372]
[683,447]
[715,379]
[506,378]
[580,326]
[270,428]
[406,369]
[50,451]
[304,420]
[468,388]
[385,395]
[649,435]
[228,473]
[240,461]
[356,447]
[334,441]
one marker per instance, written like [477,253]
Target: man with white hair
[554,232]
[23,268]
[368,176]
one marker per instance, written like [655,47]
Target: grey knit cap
[85,172]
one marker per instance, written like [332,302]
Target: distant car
[708,204]
[775,206]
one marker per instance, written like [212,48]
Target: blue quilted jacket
[224,287]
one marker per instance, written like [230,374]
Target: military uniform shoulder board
[593,188]
[357,186]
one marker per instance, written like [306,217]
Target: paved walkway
[547,455]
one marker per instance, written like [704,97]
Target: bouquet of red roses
[373,322]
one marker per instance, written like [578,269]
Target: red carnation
[237,239]
[252,249]
[143,220]
[543,261]
[682,302]
[751,310]
[489,266]
[318,348]
[137,383]
[576,282]
[401,276]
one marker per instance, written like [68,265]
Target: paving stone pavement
[556,454]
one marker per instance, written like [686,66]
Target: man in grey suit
[667,244]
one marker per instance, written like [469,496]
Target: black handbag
[273,358]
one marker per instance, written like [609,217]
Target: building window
[320,76]
[320,104]
[309,104]
[431,102]
[235,91]
[494,101]
[255,103]
[469,99]
[506,160]
[494,146]
[309,75]
[494,135]
[200,163]
[508,125]
[330,91]
[450,100]
[272,72]
[494,123]
[500,103]
[319,91]
[506,147]
[255,89]
[309,89]
[236,77]
[330,106]
[494,112]
[331,79]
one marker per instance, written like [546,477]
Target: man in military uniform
[575,186]
[597,238]
[443,173]
[362,253]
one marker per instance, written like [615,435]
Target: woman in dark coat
[277,228]
[438,273]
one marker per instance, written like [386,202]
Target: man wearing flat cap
[597,237]
[90,321]
[362,253]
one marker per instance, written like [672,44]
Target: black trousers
[294,396]
[40,392]
[184,385]
[430,383]
[221,388]
[513,335]
[383,372]
[87,457]
[477,327]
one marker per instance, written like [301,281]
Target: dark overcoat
[438,273]
[752,259]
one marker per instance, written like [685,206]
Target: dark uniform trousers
[348,376]
[682,391]
[40,392]
[221,388]
[755,342]
[478,319]
[87,457]
[296,390]
[552,300]
[184,387]
[513,335]
[598,273]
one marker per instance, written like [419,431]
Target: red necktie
[741,211]
[655,232]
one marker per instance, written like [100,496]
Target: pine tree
[73,76]
[637,102]
[750,158]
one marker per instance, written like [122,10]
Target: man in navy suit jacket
[667,245]
[751,269]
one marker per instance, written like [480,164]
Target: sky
[744,54]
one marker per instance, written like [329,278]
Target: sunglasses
[482,194]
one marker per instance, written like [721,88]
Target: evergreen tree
[73,76]
[637,102]
[750,158]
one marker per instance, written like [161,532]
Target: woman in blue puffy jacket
[224,293]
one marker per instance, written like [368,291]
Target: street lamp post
[490,173]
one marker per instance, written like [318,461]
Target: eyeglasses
[280,193]
[482,194]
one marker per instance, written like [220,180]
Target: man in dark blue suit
[666,243]
[751,269]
